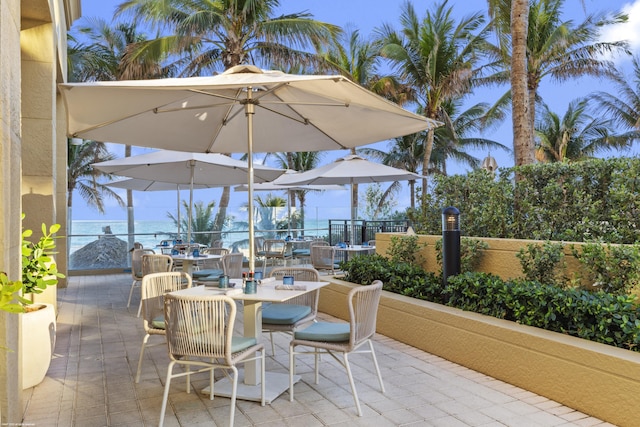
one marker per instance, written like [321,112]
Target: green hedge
[594,200]
[595,316]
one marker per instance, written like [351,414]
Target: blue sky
[367,15]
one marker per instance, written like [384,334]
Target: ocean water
[151,233]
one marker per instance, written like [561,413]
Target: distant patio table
[189,261]
[276,383]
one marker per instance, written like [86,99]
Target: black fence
[340,230]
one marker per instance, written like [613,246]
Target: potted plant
[39,271]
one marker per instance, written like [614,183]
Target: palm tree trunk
[522,134]
[425,161]
[218,224]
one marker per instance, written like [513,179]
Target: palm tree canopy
[223,33]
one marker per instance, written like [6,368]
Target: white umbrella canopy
[219,114]
[147,185]
[190,169]
[350,170]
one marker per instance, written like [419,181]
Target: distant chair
[154,288]
[207,342]
[210,267]
[342,338]
[155,263]
[232,264]
[291,314]
[324,258]
[136,268]
[304,253]
[275,249]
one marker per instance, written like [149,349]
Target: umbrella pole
[249,111]
[178,204]
[354,214]
[192,164]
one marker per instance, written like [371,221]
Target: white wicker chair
[343,338]
[200,334]
[154,288]
[136,269]
[291,314]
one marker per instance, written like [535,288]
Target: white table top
[189,257]
[266,292]
[356,248]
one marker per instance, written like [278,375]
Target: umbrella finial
[244,68]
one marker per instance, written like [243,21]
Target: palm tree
[219,34]
[201,220]
[554,48]
[575,136]
[299,161]
[511,20]
[437,57]
[454,141]
[406,152]
[624,109]
[83,177]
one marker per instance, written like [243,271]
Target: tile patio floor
[91,381]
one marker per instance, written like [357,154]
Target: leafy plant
[470,253]
[612,268]
[9,291]
[39,270]
[406,249]
[543,263]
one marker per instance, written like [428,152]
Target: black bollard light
[450,243]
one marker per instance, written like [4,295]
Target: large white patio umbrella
[350,170]
[189,169]
[220,113]
[137,184]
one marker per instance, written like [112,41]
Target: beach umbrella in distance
[276,186]
[147,185]
[243,110]
[350,170]
[189,169]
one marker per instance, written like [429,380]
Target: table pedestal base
[276,384]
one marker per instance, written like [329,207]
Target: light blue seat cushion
[324,332]
[284,314]
[158,322]
[241,343]
[208,279]
[301,252]
[208,272]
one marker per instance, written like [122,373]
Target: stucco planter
[597,379]
[37,343]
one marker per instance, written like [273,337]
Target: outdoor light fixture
[489,164]
[450,243]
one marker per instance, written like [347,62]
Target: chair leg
[273,346]
[165,395]
[263,387]
[234,390]
[139,308]
[353,385]
[375,363]
[292,370]
[144,345]
[133,285]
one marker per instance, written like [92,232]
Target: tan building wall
[32,152]
[499,259]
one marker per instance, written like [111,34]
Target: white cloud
[629,31]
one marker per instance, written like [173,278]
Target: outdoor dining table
[189,261]
[249,378]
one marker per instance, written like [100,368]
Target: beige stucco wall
[33,52]
[596,379]
[499,259]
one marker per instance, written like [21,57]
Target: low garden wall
[597,379]
[499,259]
